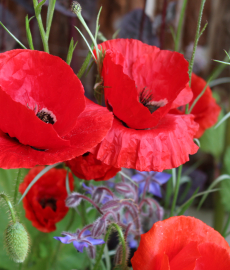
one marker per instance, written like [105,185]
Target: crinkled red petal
[130,49]
[21,123]
[164,147]
[91,127]
[88,167]
[206,110]
[39,81]
[184,97]
[170,237]
[50,186]
[152,74]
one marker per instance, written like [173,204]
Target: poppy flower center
[51,202]
[46,116]
[146,98]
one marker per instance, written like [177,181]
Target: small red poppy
[206,110]
[45,202]
[45,117]
[88,167]
[141,84]
[184,243]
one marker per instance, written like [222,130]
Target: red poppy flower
[88,167]
[45,202]
[141,83]
[45,116]
[206,110]
[182,243]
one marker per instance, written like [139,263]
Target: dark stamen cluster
[45,117]
[145,97]
[51,202]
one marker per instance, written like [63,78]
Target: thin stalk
[58,246]
[226,226]
[41,28]
[196,41]
[11,208]
[176,191]
[180,24]
[121,237]
[17,185]
[85,64]
[49,18]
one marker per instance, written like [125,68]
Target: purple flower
[151,181]
[80,239]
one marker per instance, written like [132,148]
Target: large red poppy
[45,202]
[141,83]
[88,167]
[206,110]
[45,116]
[182,243]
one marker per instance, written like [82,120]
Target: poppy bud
[76,8]
[16,241]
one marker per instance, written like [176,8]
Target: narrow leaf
[36,178]
[8,31]
[28,33]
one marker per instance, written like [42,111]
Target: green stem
[58,246]
[122,240]
[85,64]
[180,24]
[17,185]
[176,191]
[196,41]
[226,226]
[49,18]
[218,212]
[7,200]
[41,28]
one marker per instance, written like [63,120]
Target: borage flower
[141,83]
[182,243]
[46,119]
[151,181]
[88,167]
[81,239]
[45,202]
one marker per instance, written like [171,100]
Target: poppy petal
[164,147]
[88,167]
[184,97]
[91,127]
[212,257]
[170,237]
[206,110]
[21,123]
[29,77]
[124,95]
[130,49]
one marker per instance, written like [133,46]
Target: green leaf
[28,33]
[38,8]
[212,141]
[72,47]
[210,188]
[8,31]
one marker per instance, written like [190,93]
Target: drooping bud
[73,200]
[118,258]
[16,242]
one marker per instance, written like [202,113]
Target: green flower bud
[76,8]
[16,241]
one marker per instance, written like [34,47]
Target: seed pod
[16,242]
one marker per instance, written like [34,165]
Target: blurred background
[151,21]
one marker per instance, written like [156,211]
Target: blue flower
[151,181]
[80,239]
